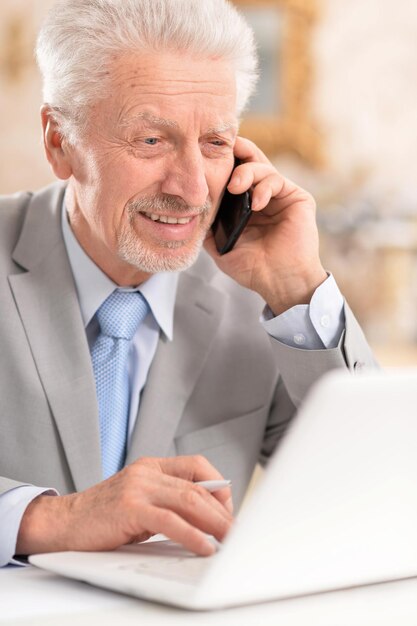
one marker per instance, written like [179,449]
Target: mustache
[166,205]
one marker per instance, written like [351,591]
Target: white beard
[133,251]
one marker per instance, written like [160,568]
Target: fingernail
[209,548]
[255,204]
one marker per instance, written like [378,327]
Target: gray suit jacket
[221,388]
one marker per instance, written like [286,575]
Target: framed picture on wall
[279,117]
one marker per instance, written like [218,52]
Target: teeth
[166,219]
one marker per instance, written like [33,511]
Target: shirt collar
[94,286]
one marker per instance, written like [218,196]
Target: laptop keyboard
[165,559]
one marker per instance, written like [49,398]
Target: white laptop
[336,508]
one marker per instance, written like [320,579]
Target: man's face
[149,174]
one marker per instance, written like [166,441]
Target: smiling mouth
[168,219]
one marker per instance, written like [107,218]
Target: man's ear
[55,149]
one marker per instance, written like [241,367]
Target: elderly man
[134,363]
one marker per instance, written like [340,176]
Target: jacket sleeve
[300,369]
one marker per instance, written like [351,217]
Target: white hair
[79,38]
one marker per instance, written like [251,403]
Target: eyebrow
[224,128]
[162,121]
[148,117]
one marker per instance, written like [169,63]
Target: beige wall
[366,91]
[365,100]
[22,162]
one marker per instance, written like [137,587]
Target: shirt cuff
[315,326]
[13,504]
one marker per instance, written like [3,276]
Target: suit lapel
[176,367]
[46,299]
[47,302]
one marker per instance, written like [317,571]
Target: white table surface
[29,596]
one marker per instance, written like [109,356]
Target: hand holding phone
[231,218]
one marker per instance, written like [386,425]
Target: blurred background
[336,111]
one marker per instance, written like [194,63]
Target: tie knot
[122,313]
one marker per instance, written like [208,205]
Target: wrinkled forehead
[159,88]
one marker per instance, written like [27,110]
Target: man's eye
[151,141]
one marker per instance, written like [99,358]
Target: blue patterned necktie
[119,318]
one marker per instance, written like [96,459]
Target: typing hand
[147,497]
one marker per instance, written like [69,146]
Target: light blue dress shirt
[94,287]
[316,326]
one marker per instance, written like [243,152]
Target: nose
[186,178]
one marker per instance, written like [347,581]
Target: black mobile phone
[231,218]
